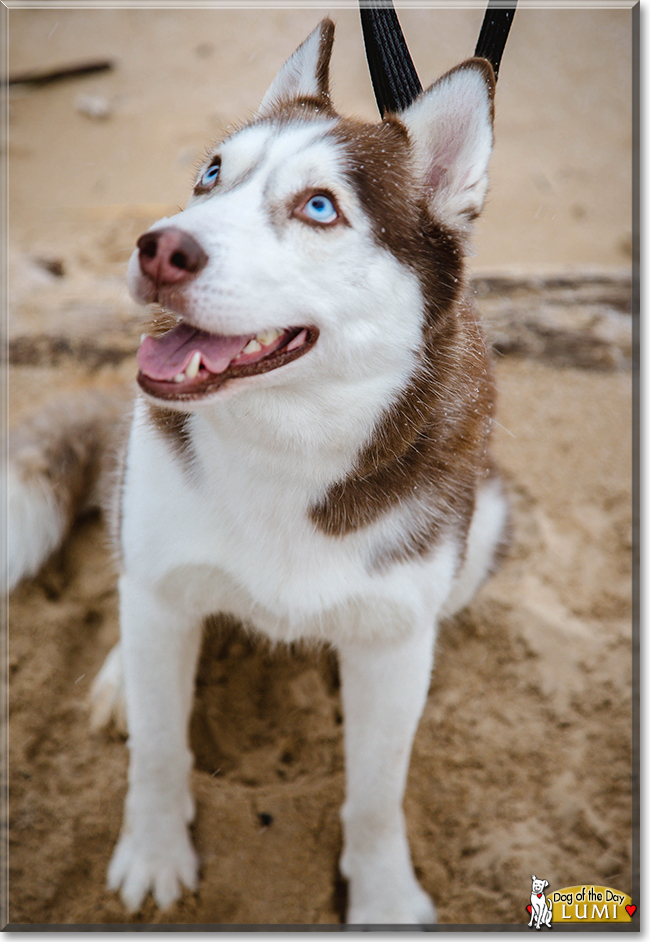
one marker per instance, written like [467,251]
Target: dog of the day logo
[585,904]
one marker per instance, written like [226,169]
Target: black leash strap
[494,32]
[394,78]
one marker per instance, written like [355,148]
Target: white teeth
[268,337]
[192,367]
[179,378]
[265,339]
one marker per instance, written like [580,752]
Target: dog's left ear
[305,74]
[450,128]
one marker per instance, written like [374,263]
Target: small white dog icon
[540,913]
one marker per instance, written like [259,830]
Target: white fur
[297,78]
[490,512]
[384,689]
[107,694]
[541,914]
[233,532]
[36,524]
[451,129]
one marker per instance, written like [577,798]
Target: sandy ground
[522,762]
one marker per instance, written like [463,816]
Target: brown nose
[169,256]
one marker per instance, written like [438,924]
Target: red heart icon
[529,908]
[630,910]
[539,896]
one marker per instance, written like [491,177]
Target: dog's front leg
[384,688]
[160,646]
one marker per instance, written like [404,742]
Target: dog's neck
[297,433]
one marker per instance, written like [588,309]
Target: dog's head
[315,246]
[539,885]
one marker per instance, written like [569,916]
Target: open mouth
[187,363]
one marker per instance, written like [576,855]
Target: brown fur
[66,447]
[325,54]
[431,444]
[173,426]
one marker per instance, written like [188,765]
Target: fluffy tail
[57,467]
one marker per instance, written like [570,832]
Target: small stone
[96,107]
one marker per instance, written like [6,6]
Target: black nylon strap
[394,77]
[494,31]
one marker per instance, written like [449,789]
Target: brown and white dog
[309,451]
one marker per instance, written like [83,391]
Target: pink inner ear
[440,177]
[437,177]
[449,152]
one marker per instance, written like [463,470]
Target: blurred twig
[47,76]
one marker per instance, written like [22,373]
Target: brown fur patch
[298,109]
[161,322]
[378,162]
[70,445]
[324,56]
[431,445]
[173,426]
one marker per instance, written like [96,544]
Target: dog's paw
[161,861]
[107,702]
[412,907]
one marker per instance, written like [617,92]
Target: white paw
[414,908]
[158,859]
[107,694]
[379,896]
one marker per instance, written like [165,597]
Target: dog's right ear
[305,74]
[450,127]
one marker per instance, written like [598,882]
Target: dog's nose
[169,256]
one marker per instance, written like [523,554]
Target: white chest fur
[231,532]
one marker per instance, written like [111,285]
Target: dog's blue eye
[321,209]
[210,175]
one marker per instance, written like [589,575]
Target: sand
[523,760]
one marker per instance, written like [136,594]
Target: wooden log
[582,320]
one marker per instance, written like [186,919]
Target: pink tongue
[163,357]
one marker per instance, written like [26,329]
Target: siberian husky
[309,451]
